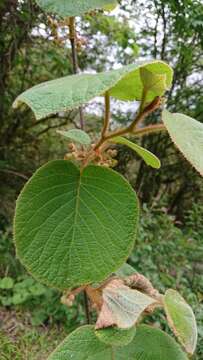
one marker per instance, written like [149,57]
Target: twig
[73,41]
[149,130]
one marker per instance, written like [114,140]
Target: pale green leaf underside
[125,270]
[149,158]
[76,135]
[148,344]
[66,8]
[73,91]
[116,337]
[181,319]
[72,229]
[187,134]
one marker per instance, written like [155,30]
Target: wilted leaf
[72,8]
[73,228]
[187,134]
[122,306]
[76,135]
[181,319]
[73,91]
[146,155]
[148,344]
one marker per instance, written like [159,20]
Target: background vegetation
[169,248]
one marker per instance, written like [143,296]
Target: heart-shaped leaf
[67,8]
[181,319]
[153,82]
[76,135]
[148,344]
[115,336]
[187,134]
[122,306]
[73,91]
[146,155]
[74,228]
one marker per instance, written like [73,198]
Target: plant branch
[149,130]
[107,114]
[73,41]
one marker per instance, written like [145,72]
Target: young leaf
[72,8]
[6,283]
[148,344]
[73,91]
[76,135]
[153,82]
[122,306]
[181,319]
[187,134]
[146,155]
[115,336]
[125,270]
[74,228]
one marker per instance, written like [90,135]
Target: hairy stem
[107,114]
[149,130]
[86,306]
[73,41]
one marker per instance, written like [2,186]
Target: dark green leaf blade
[181,319]
[187,134]
[73,91]
[149,158]
[115,336]
[75,228]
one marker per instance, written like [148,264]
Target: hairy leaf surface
[148,344]
[66,8]
[73,91]
[187,134]
[149,158]
[75,228]
[122,306]
[181,319]
[115,336]
[76,135]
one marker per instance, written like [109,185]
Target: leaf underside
[72,229]
[187,134]
[73,91]
[149,158]
[148,344]
[181,319]
[76,135]
[67,8]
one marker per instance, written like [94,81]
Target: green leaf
[74,228]
[153,82]
[187,134]
[148,344]
[181,319]
[125,270]
[115,336]
[121,306]
[76,135]
[72,8]
[73,91]
[6,283]
[146,155]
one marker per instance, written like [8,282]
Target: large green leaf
[67,8]
[187,134]
[72,227]
[148,344]
[73,91]
[181,319]
[149,158]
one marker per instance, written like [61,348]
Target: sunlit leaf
[76,135]
[181,319]
[153,82]
[149,158]
[74,228]
[187,134]
[73,91]
[73,8]
[122,306]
